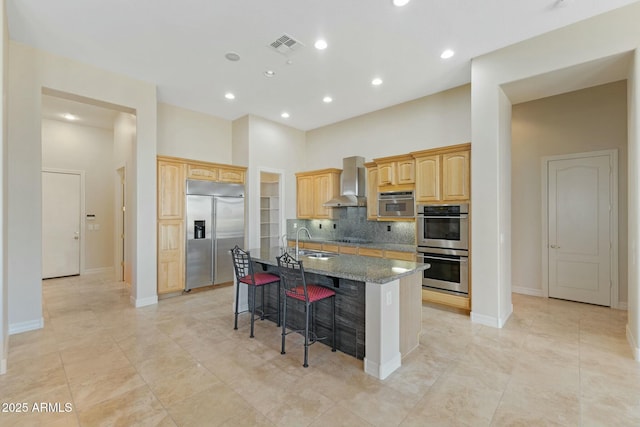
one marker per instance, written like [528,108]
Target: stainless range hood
[352,184]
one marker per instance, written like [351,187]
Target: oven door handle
[461,260]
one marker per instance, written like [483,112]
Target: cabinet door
[428,179]
[304,196]
[372,193]
[455,176]
[231,176]
[386,174]
[170,256]
[202,172]
[323,192]
[171,184]
[406,172]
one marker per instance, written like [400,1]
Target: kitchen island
[378,304]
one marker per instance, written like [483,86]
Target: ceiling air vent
[285,44]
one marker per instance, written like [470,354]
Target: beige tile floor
[181,363]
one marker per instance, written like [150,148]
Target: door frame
[613,225]
[82,208]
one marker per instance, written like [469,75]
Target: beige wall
[587,120]
[428,122]
[4,286]
[192,135]
[31,70]
[89,149]
[600,37]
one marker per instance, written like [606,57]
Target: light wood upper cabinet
[455,176]
[231,175]
[313,190]
[206,173]
[372,191]
[428,178]
[395,171]
[171,183]
[443,175]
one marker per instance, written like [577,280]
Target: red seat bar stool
[243,267]
[294,286]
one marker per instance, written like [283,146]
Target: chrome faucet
[298,240]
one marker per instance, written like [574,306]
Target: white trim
[527,291]
[143,302]
[382,371]
[494,322]
[29,325]
[82,209]
[100,270]
[621,306]
[281,196]
[632,343]
[613,225]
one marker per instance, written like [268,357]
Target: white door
[61,193]
[580,229]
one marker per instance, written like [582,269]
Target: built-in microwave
[396,204]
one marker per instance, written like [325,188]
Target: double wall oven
[443,241]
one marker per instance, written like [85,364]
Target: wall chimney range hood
[352,184]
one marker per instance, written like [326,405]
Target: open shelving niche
[269,209]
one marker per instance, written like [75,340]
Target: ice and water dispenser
[199,231]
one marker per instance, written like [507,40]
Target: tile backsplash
[352,223]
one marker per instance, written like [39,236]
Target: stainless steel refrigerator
[215,224]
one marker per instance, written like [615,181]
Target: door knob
[75,237]
[555,247]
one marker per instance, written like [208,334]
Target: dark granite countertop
[344,266]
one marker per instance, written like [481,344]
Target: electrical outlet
[334,225]
[295,225]
[320,226]
[389,299]
[388,228]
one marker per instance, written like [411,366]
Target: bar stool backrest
[242,263]
[292,277]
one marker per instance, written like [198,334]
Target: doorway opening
[271,209]
[96,139]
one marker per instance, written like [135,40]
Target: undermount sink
[316,254]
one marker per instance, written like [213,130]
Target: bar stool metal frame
[294,286]
[243,266]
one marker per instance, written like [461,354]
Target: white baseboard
[143,302]
[621,306]
[101,270]
[527,291]
[634,345]
[494,322]
[382,371]
[30,325]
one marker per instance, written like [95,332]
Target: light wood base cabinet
[454,301]
[170,256]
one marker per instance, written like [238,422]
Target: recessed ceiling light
[232,56]
[285,115]
[327,99]
[320,44]
[448,53]
[229,95]
[69,117]
[400,3]
[269,73]
[377,81]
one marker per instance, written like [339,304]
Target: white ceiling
[180,46]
